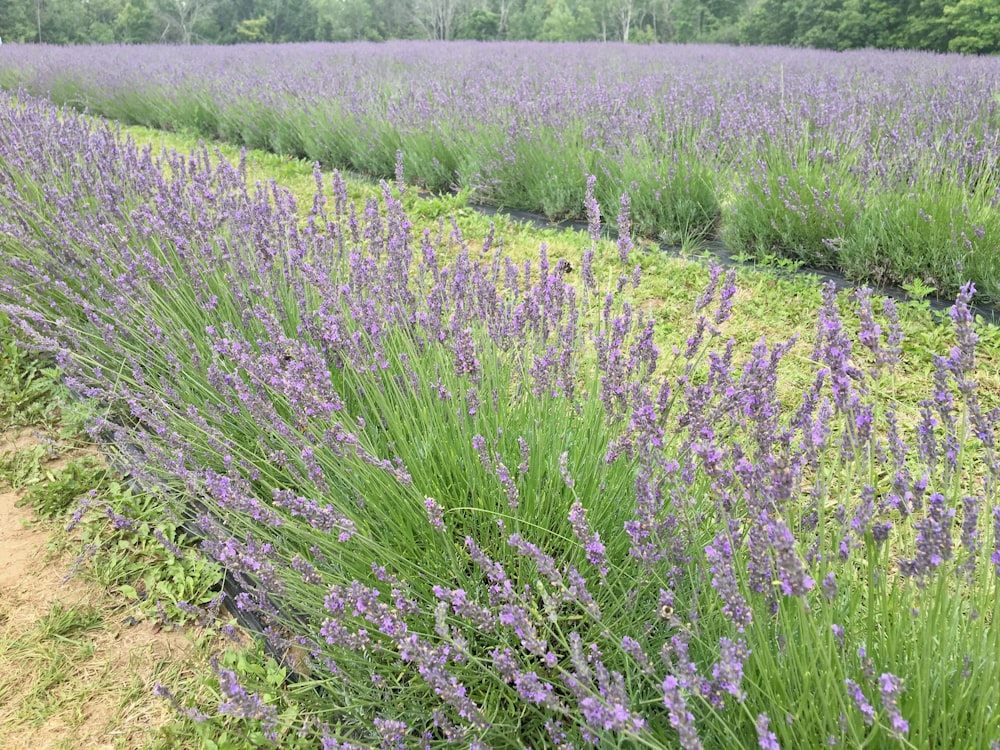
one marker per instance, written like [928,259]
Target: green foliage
[870,23]
[63,622]
[22,468]
[57,495]
[479,23]
[130,548]
[261,675]
[879,612]
[25,386]
[253,29]
[768,22]
[969,26]
[698,20]
[925,27]
[974,26]
[566,23]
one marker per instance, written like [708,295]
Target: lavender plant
[476,504]
[882,164]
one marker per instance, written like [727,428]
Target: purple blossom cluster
[371,428]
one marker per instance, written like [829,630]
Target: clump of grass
[62,622]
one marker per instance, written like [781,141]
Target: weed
[56,496]
[25,386]
[22,468]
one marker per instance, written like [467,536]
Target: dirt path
[76,671]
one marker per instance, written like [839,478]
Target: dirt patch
[77,670]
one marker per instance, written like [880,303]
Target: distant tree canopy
[971,26]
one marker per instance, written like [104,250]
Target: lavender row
[476,500]
[882,164]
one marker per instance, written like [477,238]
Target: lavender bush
[477,505]
[882,164]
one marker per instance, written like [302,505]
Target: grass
[437,446]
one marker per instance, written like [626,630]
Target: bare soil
[90,690]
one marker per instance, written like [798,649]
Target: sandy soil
[104,699]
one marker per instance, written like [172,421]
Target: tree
[616,19]
[134,24]
[974,26]
[924,27]
[253,29]
[502,9]
[342,20]
[480,24]
[526,21]
[291,20]
[14,23]
[870,23]
[692,20]
[181,18]
[437,17]
[818,24]
[770,22]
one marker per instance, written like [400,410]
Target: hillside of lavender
[882,165]
[479,501]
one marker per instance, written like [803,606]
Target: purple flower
[890,688]
[632,647]
[522,468]
[507,482]
[829,586]
[392,732]
[963,357]
[792,575]
[681,718]
[479,444]
[191,713]
[726,297]
[625,229]
[854,690]
[481,617]
[238,702]
[564,470]
[934,540]
[721,565]
[833,349]
[517,619]
[591,540]
[995,557]
[528,684]
[971,506]
[593,211]
[767,739]
[435,513]
[727,673]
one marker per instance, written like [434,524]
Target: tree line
[971,26]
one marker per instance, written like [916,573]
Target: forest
[966,26]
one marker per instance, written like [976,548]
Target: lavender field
[881,164]
[480,501]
